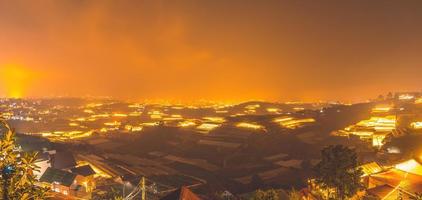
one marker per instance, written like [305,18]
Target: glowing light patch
[221,111]
[252,107]
[133,128]
[135,114]
[416,125]
[273,110]
[88,111]
[249,126]
[150,124]
[94,105]
[100,116]
[387,123]
[282,119]
[207,127]
[377,140]
[393,150]
[16,79]
[81,119]
[135,106]
[411,166]
[381,109]
[119,115]
[406,97]
[375,128]
[215,119]
[186,124]
[73,124]
[292,123]
[115,123]
[298,108]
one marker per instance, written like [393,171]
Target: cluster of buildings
[217,125]
[60,172]
[374,129]
[74,119]
[69,178]
[400,181]
[393,117]
[292,122]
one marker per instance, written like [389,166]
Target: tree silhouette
[17,177]
[338,171]
[294,195]
[265,195]
[112,194]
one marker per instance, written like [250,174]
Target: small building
[88,173]
[182,193]
[402,181]
[65,183]
[43,163]
[387,192]
[63,160]
[371,168]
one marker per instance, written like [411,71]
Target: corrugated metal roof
[52,175]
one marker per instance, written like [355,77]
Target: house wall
[43,165]
[61,189]
[84,191]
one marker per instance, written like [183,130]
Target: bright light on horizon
[15,79]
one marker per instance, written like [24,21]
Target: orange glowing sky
[210,49]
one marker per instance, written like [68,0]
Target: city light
[381,109]
[273,110]
[16,79]
[73,124]
[409,166]
[119,115]
[416,125]
[115,123]
[375,128]
[186,124]
[292,123]
[249,126]
[406,97]
[214,119]
[386,123]
[207,127]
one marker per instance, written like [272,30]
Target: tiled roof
[371,168]
[85,170]
[381,191]
[63,160]
[56,175]
[409,182]
[181,194]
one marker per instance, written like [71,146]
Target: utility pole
[124,184]
[143,189]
